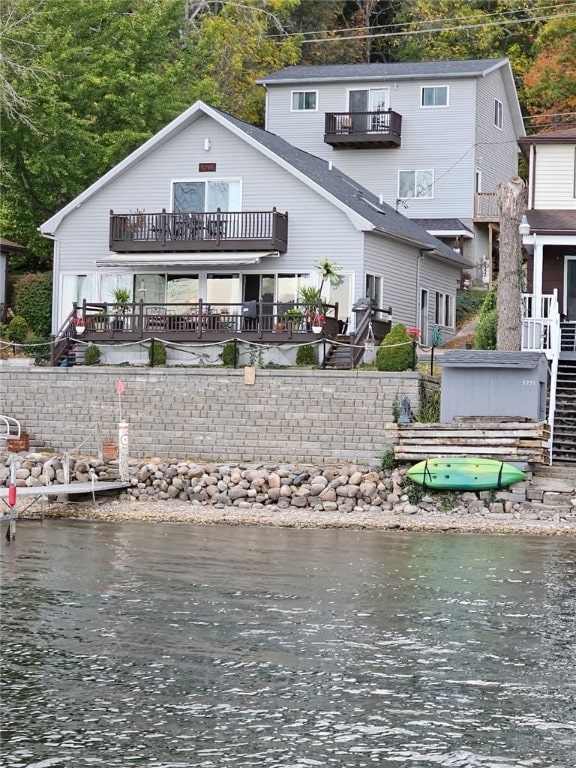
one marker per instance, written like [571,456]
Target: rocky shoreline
[300,496]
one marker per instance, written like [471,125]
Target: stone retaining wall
[342,488]
[286,415]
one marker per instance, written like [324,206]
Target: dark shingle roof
[552,222]
[383,71]
[348,191]
[446,225]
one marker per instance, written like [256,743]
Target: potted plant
[294,317]
[79,325]
[318,321]
[121,299]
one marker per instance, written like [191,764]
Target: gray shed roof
[488,358]
[349,192]
[384,71]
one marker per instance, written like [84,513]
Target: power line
[413,32]
[426,21]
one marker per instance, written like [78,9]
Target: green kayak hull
[464,474]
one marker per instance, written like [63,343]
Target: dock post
[123,445]
[12,497]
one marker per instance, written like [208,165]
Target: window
[445,310]
[374,289]
[202,196]
[434,96]
[304,100]
[414,184]
[498,114]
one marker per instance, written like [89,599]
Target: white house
[215,216]
[549,312]
[432,138]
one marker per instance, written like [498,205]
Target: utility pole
[512,198]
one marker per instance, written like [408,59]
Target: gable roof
[362,206]
[403,70]
[384,71]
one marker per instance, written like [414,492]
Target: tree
[512,197]
[551,81]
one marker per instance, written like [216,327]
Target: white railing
[541,333]
[10,428]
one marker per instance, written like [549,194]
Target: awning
[211,259]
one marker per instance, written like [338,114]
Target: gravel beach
[175,511]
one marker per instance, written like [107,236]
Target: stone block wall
[184,413]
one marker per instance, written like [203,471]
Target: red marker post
[12,497]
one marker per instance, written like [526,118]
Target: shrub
[395,351]
[33,301]
[92,355]
[487,328]
[157,353]
[230,355]
[306,355]
[17,330]
[486,331]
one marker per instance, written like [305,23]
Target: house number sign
[203,167]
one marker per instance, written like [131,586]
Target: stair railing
[10,429]
[554,349]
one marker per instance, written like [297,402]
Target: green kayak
[464,474]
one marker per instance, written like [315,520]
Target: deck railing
[486,207]
[224,230]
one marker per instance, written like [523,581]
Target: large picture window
[415,184]
[203,196]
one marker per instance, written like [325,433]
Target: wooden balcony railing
[212,231]
[486,207]
[217,322]
[363,130]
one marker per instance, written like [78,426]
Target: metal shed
[491,383]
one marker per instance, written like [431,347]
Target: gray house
[432,139]
[213,226]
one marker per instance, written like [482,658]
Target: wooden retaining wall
[518,441]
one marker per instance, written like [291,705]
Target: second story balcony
[486,207]
[363,130]
[218,230]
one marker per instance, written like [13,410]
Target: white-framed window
[444,309]
[434,96]
[498,114]
[304,101]
[200,196]
[415,184]
[374,289]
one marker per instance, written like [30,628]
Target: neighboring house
[7,248]
[549,236]
[434,139]
[213,215]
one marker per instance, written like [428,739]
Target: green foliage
[429,405]
[230,355]
[396,408]
[33,301]
[487,328]
[17,329]
[306,355]
[395,351]
[91,355]
[414,492]
[256,356]
[388,461]
[157,354]
[468,304]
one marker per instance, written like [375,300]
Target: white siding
[316,227]
[496,151]
[555,176]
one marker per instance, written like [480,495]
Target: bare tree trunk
[512,197]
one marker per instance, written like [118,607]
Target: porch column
[537,268]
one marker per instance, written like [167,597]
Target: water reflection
[169,646]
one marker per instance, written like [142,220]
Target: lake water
[183,646]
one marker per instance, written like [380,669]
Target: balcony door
[367,100]
[203,196]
